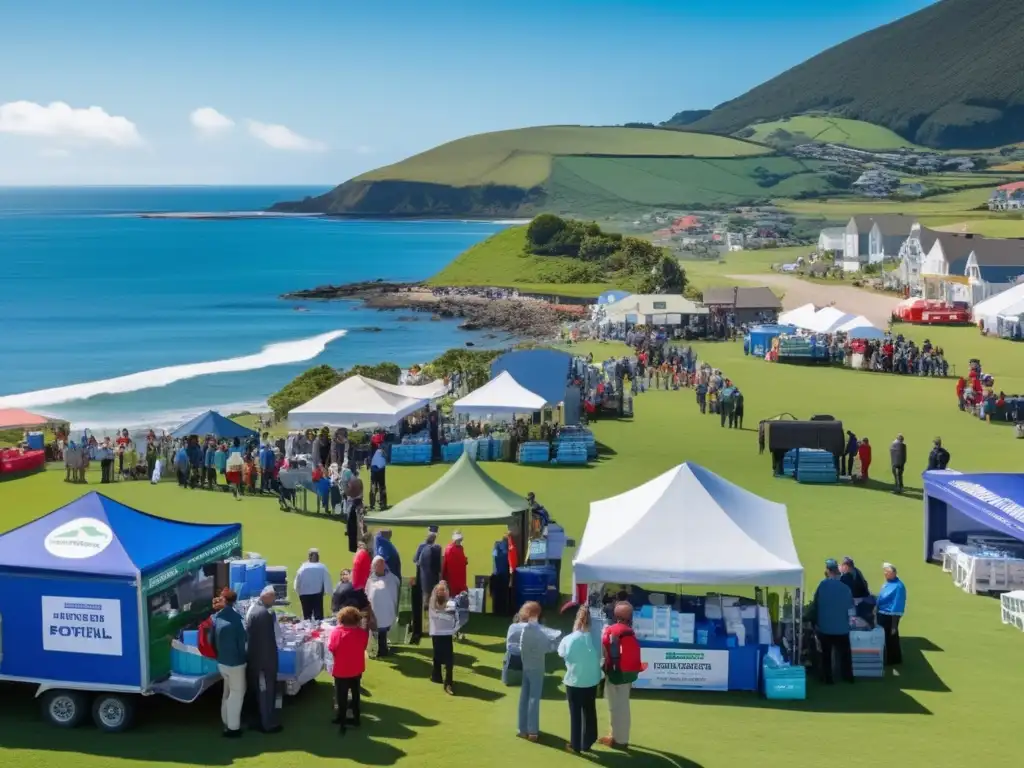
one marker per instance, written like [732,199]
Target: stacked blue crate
[815,466]
[452,451]
[534,453]
[483,449]
[414,453]
[582,436]
[572,452]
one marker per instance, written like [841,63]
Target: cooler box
[538,583]
[236,572]
[452,451]
[868,651]
[784,683]
[255,576]
[191,664]
[287,661]
[36,441]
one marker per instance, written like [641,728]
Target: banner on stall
[684,669]
[82,625]
[165,577]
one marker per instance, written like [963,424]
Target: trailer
[91,597]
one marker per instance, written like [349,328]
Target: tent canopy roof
[798,316]
[16,418]
[464,495]
[212,423]
[357,401]
[688,526]
[502,394]
[542,371]
[994,305]
[996,500]
[121,541]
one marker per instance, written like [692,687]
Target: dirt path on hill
[876,307]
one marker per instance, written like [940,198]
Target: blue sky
[317,92]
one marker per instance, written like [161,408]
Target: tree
[639,254]
[543,229]
[302,389]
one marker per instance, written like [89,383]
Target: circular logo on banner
[79,539]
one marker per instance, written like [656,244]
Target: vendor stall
[92,596]
[212,423]
[758,341]
[690,527]
[358,402]
[17,463]
[502,395]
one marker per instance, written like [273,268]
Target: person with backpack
[622,666]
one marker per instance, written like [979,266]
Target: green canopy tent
[464,495]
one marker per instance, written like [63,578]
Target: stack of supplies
[571,452]
[868,650]
[411,453]
[534,453]
[452,451]
[811,466]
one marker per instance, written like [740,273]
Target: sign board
[218,550]
[82,625]
[79,539]
[684,669]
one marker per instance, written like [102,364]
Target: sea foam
[280,353]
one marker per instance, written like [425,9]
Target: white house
[872,239]
[1009,197]
[970,268]
[831,240]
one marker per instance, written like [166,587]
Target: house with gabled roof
[1008,197]
[971,268]
[873,238]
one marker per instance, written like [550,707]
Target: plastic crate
[191,664]
[785,683]
[287,661]
[413,453]
[452,451]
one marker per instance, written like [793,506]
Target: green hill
[824,129]
[574,170]
[948,76]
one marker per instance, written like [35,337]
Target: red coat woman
[864,453]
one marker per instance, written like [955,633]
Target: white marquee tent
[798,317]
[688,526]
[431,390]
[356,402]
[988,311]
[828,319]
[501,395]
[856,322]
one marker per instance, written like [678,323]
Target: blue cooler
[785,683]
[236,572]
[36,441]
[287,661]
[191,664]
[538,583]
[255,576]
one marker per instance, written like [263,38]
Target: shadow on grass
[885,487]
[887,695]
[614,758]
[416,666]
[191,734]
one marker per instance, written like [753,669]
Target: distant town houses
[937,265]
[1009,197]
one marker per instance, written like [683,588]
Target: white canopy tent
[988,311]
[688,526]
[798,317]
[828,319]
[431,390]
[502,395]
[857,322]
[1014,310]
[356,402]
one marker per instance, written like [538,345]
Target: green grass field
[964,202]
[832,130]
[994,227]
[949,705]
[522,158]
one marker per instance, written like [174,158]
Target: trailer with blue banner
[759,339]
[91,597]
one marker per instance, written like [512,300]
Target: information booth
[690,527]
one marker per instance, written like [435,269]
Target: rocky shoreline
[523,317]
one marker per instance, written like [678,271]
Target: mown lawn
[950,704]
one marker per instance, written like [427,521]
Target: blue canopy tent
[212,423]
[76,587]
[956,505]
[543,371]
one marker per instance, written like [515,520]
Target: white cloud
[283,137]
[58,120]
[209,122]
[54,152]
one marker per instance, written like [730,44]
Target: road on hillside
[876,307]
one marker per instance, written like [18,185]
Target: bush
[302,389]
[543,229]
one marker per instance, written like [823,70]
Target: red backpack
[624,652]
[207,643]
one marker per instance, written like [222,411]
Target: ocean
[109,320]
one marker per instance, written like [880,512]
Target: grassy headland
[824,129]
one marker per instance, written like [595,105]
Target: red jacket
[865,454]
[361,569]
[453,569]
[348,647]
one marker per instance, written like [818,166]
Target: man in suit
[261,657]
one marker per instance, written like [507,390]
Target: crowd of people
[896,354]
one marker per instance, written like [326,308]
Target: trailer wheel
[113,712]
[65,709]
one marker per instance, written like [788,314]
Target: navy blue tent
[956,505]
[212,423]
[79,584]
[543,371]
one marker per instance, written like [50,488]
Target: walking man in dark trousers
[898,457]
[427,562]
[830,614]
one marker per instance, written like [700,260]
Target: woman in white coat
[382,592]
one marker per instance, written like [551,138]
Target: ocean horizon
[112,320]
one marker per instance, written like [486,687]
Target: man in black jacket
[939,456]
[898,458]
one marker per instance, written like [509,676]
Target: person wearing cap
[453,567]
[427,562]
[261,659]
[892,604]
[938,458]
[829,612]
[898,459]
[312,582]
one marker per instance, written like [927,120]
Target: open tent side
[988,310]
[957,504]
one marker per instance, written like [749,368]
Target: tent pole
[143,633]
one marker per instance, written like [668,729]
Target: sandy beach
[876,307]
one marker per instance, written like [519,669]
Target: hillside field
[966,203]
[994,227]
[523,157]
[826,129]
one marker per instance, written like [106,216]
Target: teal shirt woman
[582,657]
